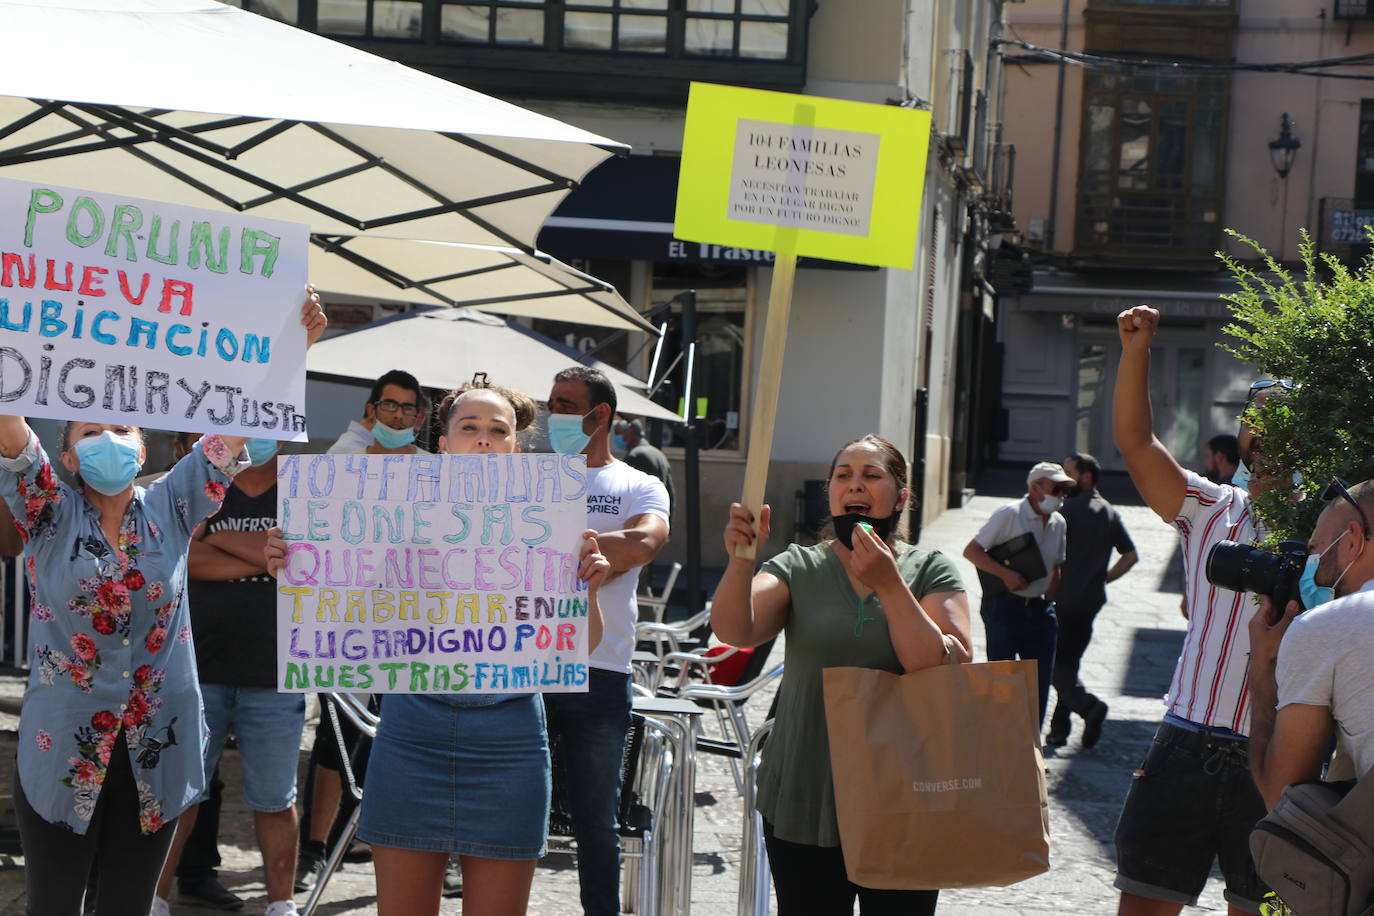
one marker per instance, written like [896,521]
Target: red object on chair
[727,672]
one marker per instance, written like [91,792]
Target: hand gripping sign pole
[797,175]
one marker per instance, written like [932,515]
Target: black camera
[1242,568]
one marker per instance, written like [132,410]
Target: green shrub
[1318,331]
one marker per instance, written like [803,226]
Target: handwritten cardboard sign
[447,574]
[122,310]
[814,176]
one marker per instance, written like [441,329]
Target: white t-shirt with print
[617,493]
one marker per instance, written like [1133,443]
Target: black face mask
[844,526]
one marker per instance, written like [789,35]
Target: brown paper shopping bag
[938,776]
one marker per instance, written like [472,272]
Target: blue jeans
[1023,628]
[268,725]
[589,731]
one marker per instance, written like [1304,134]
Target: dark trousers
[1022,628]
[812,881]
[200,857]
[589,731]
[1075,632]
[325,752]
[56,860]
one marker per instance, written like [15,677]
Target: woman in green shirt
[866,599]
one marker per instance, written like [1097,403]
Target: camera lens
[1242,568]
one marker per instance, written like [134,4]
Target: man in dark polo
[1094,531]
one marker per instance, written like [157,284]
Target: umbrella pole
[691,455]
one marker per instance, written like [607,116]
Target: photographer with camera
[1311,676]
[1191,800]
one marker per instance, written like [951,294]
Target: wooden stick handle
[766,392]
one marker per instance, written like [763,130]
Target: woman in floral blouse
[111,732]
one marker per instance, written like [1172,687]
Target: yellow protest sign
[828,178]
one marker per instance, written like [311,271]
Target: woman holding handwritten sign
[110,736]
[863,599]
[464,773]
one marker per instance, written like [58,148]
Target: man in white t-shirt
[629,510]
[1316,668]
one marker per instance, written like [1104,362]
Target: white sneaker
[160,907]
[281,908]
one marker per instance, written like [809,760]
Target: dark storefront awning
[1195,298]
[623,210]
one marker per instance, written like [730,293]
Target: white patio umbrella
[442,348]
[203,104]
[503,280]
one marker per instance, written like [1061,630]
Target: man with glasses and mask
[1191,801]
[1311,676]
[629,510]
[393,414]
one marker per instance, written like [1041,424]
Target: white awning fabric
[503,280]
[442,348]
[199,103]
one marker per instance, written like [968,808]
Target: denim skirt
[449,776]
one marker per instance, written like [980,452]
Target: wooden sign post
[797,175]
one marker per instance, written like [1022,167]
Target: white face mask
[1050,503]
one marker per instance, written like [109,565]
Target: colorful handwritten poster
[123,310]
[443,574]
[828,178]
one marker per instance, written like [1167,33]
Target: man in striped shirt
[1192,800]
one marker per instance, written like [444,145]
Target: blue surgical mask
[618,444]
[387,437]
[108,463]
[1241,478]
[565,433]
[1313,594]
[260,451]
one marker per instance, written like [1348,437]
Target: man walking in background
[1094,530]
[639,454]
[1020,622]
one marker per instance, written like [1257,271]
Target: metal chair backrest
[634,817]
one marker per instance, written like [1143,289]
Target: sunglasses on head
[1257,386]
[1336,489]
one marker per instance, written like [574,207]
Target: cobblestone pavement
[1137,640]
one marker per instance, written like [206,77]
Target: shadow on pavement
[1150,666]
[1091,784]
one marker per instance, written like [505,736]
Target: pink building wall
[1325,112]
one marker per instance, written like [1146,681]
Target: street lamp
[1285,148]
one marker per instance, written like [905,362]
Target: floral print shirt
[111,637]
